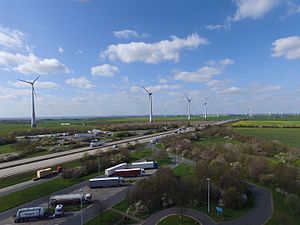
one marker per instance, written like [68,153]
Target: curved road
[258,215]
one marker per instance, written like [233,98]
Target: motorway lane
[59,160]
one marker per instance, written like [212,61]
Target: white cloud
[292,9]
[165,50]
[104,70]
[215,27]
[162,81]
[230,91]
[125,79]
[38,84]
[60,50]
[11,38]
[253,9]
[125,33]
[29,64]
[288,47]
[81,82]
[163,87]
[206,73]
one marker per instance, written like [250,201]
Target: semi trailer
[145,165]
[70,199]
[132,172]
[36,213]
[96,144]
[110,171]
[47,172]
[105,182]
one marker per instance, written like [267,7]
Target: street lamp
[208,195]
[99,163]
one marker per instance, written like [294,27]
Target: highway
[35,163]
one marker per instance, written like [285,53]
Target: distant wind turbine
[33,124]
[150,99]
[205,108]
[188,107]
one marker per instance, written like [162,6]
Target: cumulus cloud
[125,33]
[205,73]
[104,70]
[288,47]
[264,88]
[29,64]
[165,50]
[215,26]
[81,82]
[11,38]
[253,9]
[135,89]
[38,84]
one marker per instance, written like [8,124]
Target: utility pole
[208,195]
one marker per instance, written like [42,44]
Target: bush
[292,201]
[232,198]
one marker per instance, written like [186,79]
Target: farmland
[267,123]
[287,136]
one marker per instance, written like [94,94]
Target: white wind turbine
[205,108]
[150,99]
[188,107]
[33,124]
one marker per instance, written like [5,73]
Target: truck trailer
[110,171]
[105,182]
[70,199]
[96,144]
[144,165]
[43,173]
[132,172]
[32,213]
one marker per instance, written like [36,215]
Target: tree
[232,198]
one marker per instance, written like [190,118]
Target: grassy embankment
[178,220]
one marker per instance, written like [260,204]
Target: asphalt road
[43,163]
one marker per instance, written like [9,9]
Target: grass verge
[178,220]
[106,218]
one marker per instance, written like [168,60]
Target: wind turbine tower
[150,101]
[188,107]
[33,124]
[205,108]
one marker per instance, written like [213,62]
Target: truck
[145,165]
[110,171]
[47,172]
[154,140]
[96,144]
[105,182]
[70,199]
[132,172]
[36,213]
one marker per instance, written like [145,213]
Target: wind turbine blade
[35,79]
[25,81]
[146,90]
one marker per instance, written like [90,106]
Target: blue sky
[94,56]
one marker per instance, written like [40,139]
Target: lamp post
[208,195]
[98,163]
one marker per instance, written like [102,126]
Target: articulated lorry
[132,172]
[70,199]
[144,165]
[106,182]
[37,213]
[110,171]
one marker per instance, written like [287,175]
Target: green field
[277,123]
[287,136]
[183,170]
[282,215]
[106,218]
[178,220]
[6,149]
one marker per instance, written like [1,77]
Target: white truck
[70,199]
[105,182]
[110,171]
[144,165]
[96,144]
[36,213]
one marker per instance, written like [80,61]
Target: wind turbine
[205,108]
[188,106]
[33,124]
[150,99]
